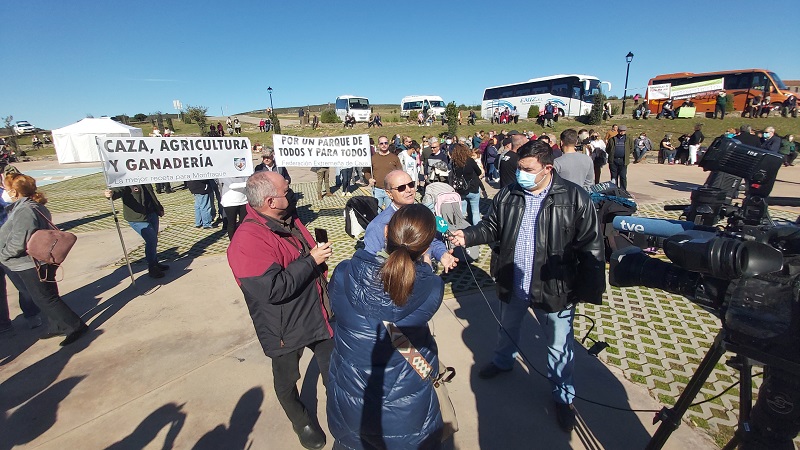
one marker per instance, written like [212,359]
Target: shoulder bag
[49,246]
[402,344]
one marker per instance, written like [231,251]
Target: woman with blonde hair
[28,214]
[376,400]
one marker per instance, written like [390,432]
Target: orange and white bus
[743,85]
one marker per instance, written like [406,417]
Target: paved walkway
[174,363]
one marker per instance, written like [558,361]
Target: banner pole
[114,213]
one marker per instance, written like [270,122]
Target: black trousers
[619,172]
[286,374]
[234,215]
[60,317]
[719,109]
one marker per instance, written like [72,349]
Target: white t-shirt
[409,164]
[232,190]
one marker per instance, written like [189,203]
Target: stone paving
[657,339]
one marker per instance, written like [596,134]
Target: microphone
[442,226]
[656,227]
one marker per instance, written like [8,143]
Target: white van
[432,103]
[357,107]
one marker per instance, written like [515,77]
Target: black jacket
[569,265]
[138,201]
[198,186]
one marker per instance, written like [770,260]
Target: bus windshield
[359,103]
[594,89]
[437,104]
[778,81]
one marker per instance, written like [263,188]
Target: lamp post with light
[272,108]
[628,58]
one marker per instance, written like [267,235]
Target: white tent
[76,143]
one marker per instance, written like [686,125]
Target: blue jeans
[639,153]
[203,210]
[346,176]
[149,232]
[492,172]
[380,194]
[559,336]
[29,309]
[474,200]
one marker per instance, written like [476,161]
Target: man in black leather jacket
[549,258]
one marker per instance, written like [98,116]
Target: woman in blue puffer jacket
[375,398]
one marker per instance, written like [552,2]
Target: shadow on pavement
[30,383]
[681,186]
[66,226]
[170,415]
[516,409]
[236,435]
[36,416]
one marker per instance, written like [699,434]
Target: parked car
[23,127]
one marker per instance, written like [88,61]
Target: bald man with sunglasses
[401,190]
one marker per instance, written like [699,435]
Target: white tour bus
[357,107]
[571,94]
[432,103]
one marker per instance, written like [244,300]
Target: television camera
[747,274]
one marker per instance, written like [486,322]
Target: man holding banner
[141,208]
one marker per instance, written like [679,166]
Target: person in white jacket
[233,202]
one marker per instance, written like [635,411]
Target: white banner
[140,160]
[695,89]
[333,151]
[658,91]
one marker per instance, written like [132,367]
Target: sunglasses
[383,143]
[402,187]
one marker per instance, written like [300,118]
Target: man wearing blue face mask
[769,141]
[550,257]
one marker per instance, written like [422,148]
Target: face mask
[528,180]
[7,198]
[448,141]
[290,210]
[728,135]
[766,135]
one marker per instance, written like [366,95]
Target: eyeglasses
[383,143]
[402,187]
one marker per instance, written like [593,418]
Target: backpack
[459,183]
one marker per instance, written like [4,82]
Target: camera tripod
[670,418]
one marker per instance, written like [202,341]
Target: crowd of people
[363,323]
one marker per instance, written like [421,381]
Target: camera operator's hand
[321,252]
[449,262]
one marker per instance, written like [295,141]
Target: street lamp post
[269,89]
[628,58]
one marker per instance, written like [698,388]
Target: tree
[596,114]
[140,117]
[329,116]
[451,113]
[533,112]
[276,123]
[197,114]
[12,140]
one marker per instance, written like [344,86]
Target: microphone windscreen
[653,227]
[441,225]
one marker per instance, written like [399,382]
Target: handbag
[421,366]
[49,246]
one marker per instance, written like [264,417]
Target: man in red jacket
[281,271]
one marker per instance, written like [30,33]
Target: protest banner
[139,160]
[658,91]
[697,89]
[333,151]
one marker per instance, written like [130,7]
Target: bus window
[576,92]
[559,89]
[737,81]
[492,94]
[341,103]
[540,90]
[507,93]
[759,81]
[523,91]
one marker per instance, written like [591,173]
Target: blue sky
[67,59]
